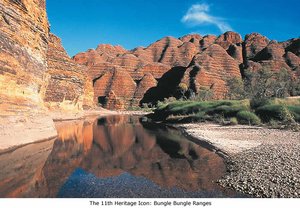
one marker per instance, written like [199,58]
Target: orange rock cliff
[123,78]
[36,75]
[24,34]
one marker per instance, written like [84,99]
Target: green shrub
[226,111]
[199,117]
[204,94]
[219,119]
[234,121]
[274,124]
[209,109]
[259,102]
[269,112]
[247,117]
[291,101]
[286,116]
[295,110]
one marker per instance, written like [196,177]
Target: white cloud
[198,14]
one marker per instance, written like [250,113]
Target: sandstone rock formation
[69,88]
[211,69]
[206,61]
[35,70]
[253,44]
[23,65]
[274,56]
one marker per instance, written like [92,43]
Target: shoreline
[59,116]
[260,162]
[33,134]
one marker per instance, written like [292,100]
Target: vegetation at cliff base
[261,99]
[228,112]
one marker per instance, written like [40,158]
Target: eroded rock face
[69,87]
[292,60]
[236,52]
[115,87]
[275,57]
[157,70]
[23,40]
[253,44]
[294,46]
[229,38]
[170,51]
[208,61]
[207,41]
[273,51]
[156,59]
[36,75]
[215,67]
[146,83]
[23,65]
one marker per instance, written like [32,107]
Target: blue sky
[83,24]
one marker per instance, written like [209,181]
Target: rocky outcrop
[36,75]
[23,65]
[232,43]
[207,41]
[275,57]
[273,51]
[69,87]
[211,69]
[294,46]
[169,51]
[229,38]
[207,61]
[253,44]
[292,60]
[146,83]
[156,59]
[115,86]
[157,70]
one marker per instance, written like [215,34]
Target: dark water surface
[114,156]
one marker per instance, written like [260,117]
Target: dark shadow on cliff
[166,87]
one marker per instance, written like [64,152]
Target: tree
[282,84]
[205,93]
[235,87]
[182,89]
[258,84]
[295,87]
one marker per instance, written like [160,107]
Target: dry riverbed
[261,162]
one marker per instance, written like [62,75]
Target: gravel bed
[265,171]
[269,169]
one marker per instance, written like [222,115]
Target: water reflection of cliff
[114,145]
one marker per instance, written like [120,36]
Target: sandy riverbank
[261,162]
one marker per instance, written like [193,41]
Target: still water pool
[114,156]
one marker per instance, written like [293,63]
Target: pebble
[268,177]
[263,155]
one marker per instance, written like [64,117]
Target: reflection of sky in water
[85,185]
